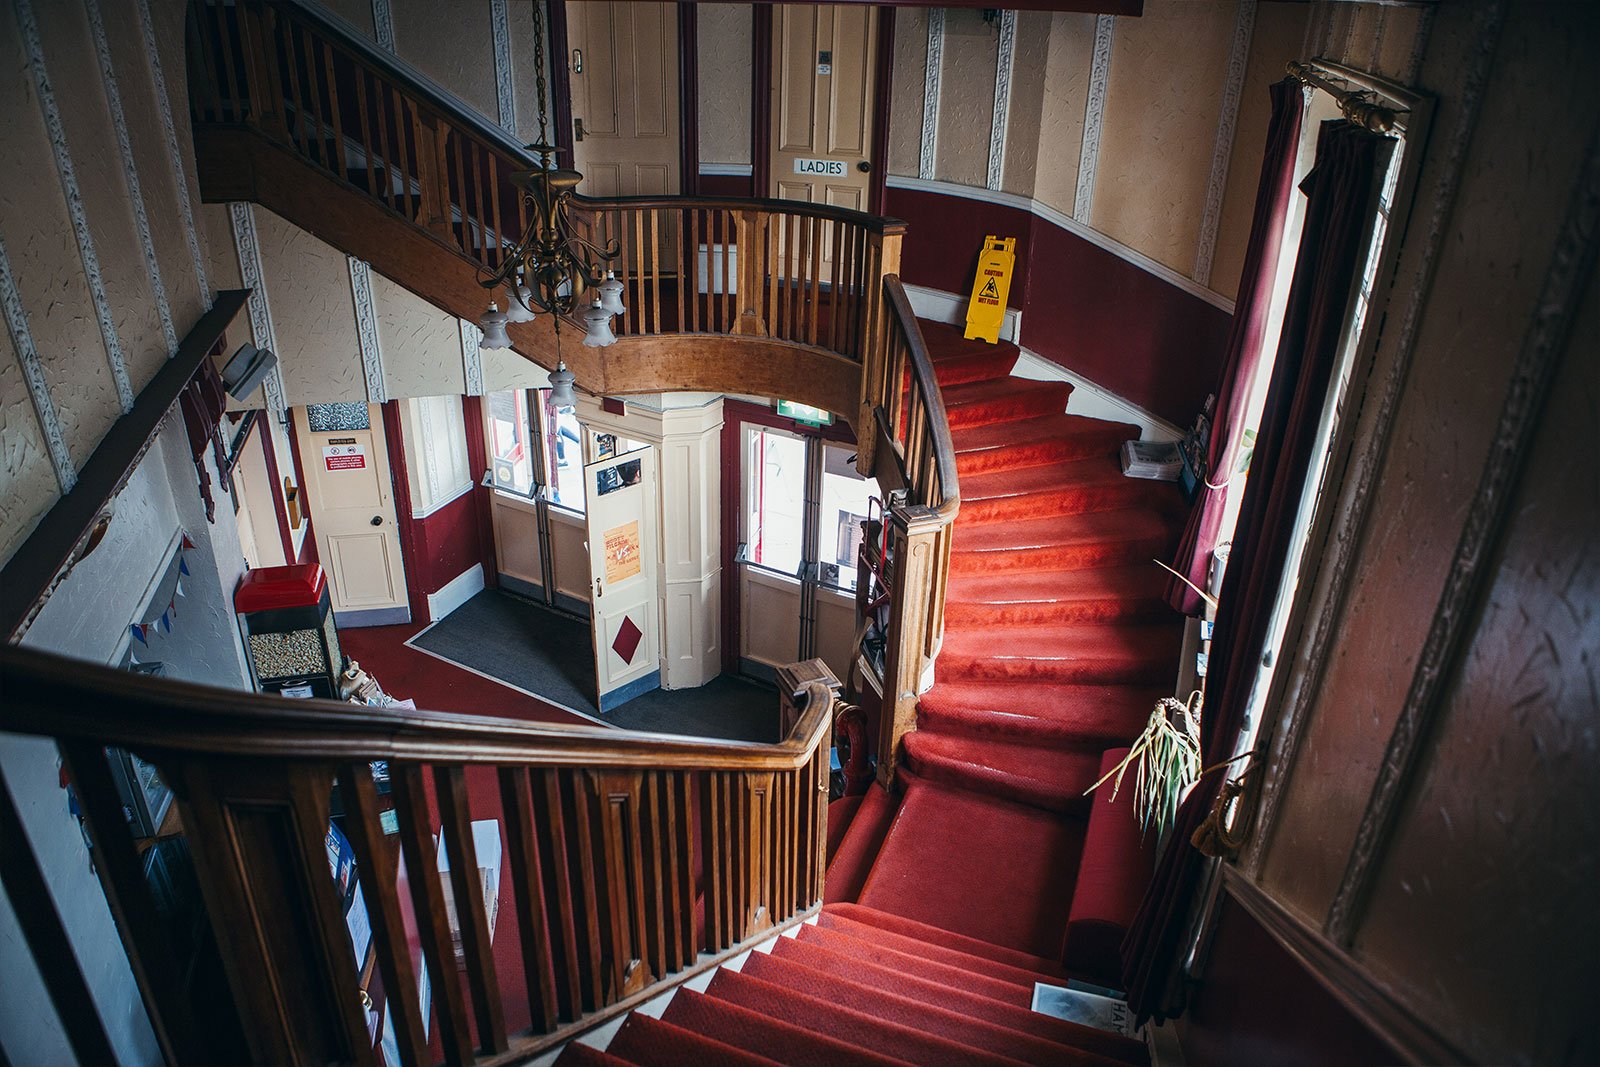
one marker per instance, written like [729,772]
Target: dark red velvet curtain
[1244,341]
[1339,211]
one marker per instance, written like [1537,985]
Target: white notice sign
[344,457]
[828,168]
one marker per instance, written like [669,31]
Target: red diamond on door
[627,640]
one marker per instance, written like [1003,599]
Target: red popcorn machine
[286,615]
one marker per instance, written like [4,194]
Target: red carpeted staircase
[988,869]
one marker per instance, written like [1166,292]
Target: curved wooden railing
[797,274]
[634,859]
[905,441]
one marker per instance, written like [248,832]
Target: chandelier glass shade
[561,394]
[493,324]
[552,270]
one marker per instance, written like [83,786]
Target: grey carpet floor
[549,654]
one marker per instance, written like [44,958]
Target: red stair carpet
[988,870]
[1057,644]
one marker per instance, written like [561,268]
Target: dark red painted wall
[1257,1005]
[726,185]
[447,542]
[1083,307]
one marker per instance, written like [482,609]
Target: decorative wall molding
[1094,116]
[130,174]
[1222,149]
[1005,60]
[1419,46]
[383,24]
[44,407]
[472,356]
[367,329]
[930,92]
[1071,225]
[505,93]
[248,248]
[180,174]
[1338,552]
[1566,278]
[29,27]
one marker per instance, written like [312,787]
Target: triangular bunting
[187,544]
[166,626]
[183,565]
[138,631]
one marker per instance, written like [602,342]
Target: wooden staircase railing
[634,859]
[803,275]
[905,441]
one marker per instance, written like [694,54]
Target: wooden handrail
[616,845]
[71,700]
[943,491]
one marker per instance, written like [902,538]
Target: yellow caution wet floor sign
[986,311]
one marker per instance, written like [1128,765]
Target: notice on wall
[827,168]
[622,552]
[344,454]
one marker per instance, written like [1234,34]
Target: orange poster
[622,552]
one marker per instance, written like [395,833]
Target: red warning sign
[344,457]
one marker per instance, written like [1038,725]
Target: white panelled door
[620,494]
[346,463]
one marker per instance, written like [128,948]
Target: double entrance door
[801,505]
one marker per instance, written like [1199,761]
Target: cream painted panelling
[724,67]
[421,344]
[966,97]
[452,44]
[1030,63]
[905,107]
[1061,108]
[157,178]
[44,259]
[308,289]
[505,369]
[74,74]
[1162,104]
[436,451]
[29,478]
[1279,29]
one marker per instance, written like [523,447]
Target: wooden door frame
[560,79]
[761,31]
[688,99]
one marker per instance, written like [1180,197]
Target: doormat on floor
[549,654]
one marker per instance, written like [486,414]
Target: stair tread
[644,1040]
[1051,777]
[960,998]
[1121,525]
[756,1033]
[925,1017]
[1021,431]
[1066,642]
[944,339]
[1009,989]
[845,1024]
[1049,477]
[577,1054]
[996,389]
[1135,581]
[1038,712]
[934,935]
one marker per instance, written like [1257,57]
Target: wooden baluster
[711,830]
[692,258]
[861,294]
[655,266]
[641,267]
[817,810]
[377,871]
[796,279]
[404,123]
[674,854]
[450,787]
[208,109]
[589,936]
[685,269]
[29,896]
[814,274]
[298,131]
[367,140]
[551,822]
[257,830]
[225,44]
[730,251]
[388,128]
[432,136]
[618,796]
[316,123]
[333,111]
[774,246]
[627,323]
[476,151]
[683,785]
[433,923]
[494,261]
[144,935]
[260,70]
[660,859]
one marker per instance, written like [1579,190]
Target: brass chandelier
[551,270]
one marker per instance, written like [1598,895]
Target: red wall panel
[1082,306]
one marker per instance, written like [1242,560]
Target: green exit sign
[805,413]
